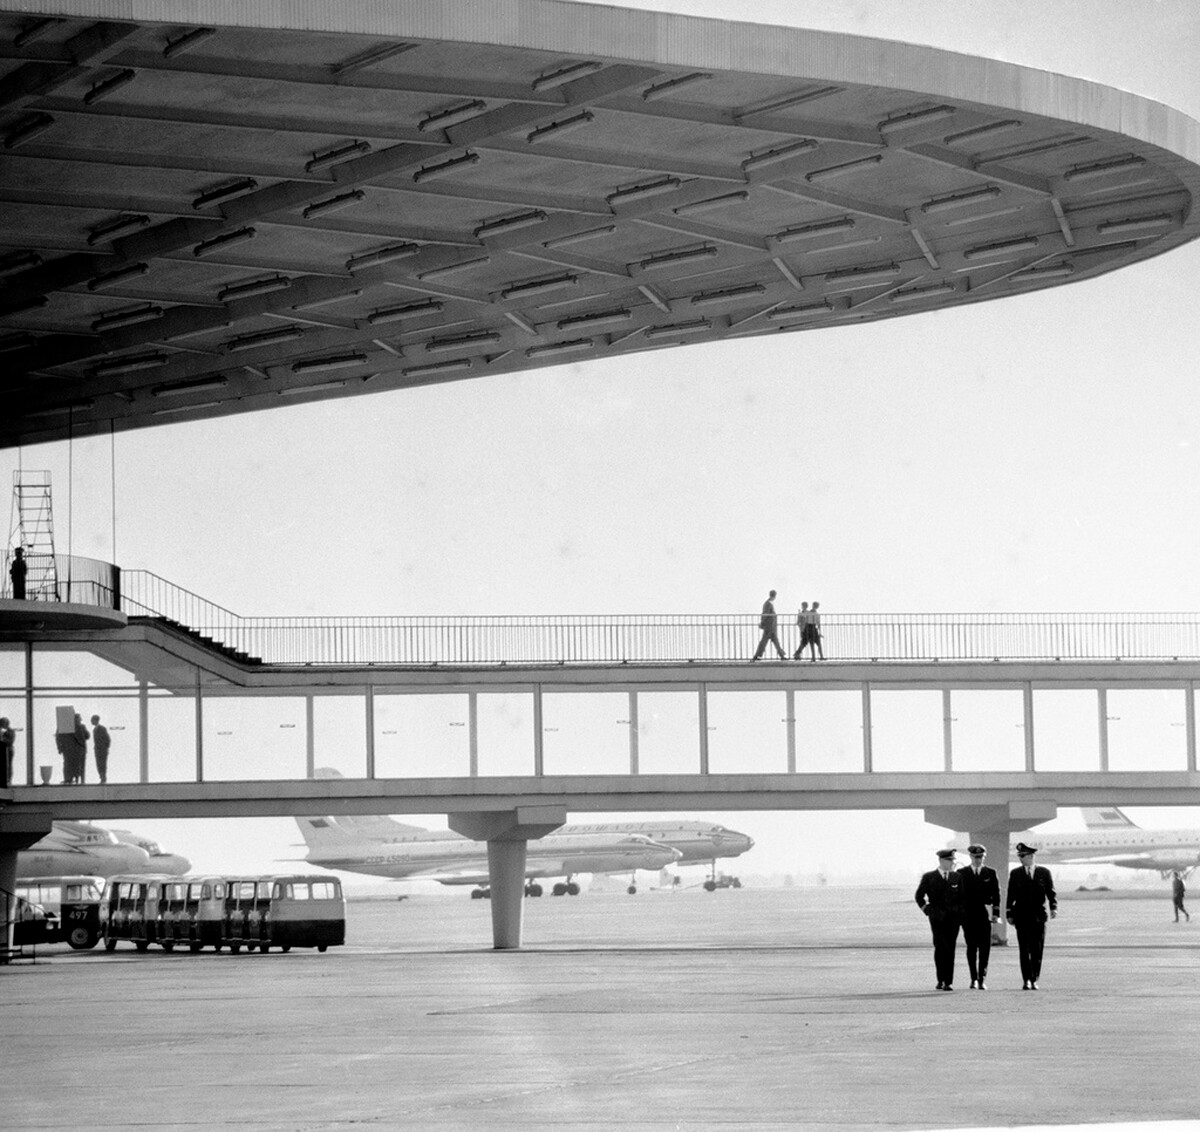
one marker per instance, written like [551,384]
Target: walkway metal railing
[84,581]
[577,639]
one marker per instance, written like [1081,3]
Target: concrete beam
[998,818]
[523,823]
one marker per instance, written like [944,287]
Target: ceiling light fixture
[438,367]
[458,342]
[381,256]
[564,75]
[1036,274]
[294,390]
[699,206]
[334,156]
[560,127]
[1104,168]
[790,100]
[711,298]
[579,237]
[576,346]
[371,56]
[186,408]
[1001,247]
[696,326]
[330,361]
[915,118]
[986,130]
[266,338]
[672,86]
[621,314]
[914,294]
[779,153]
[112,278]
[805,310]
[510,223]
[228,240]
[130,364]
[254,287]
[444,119]
[443,168]
[959,200]
[115,228]
[672,259]
[847,167]
[451,268]
[539,286]
[638,192]
[870,271]
[182,388]
[333,204]
[221,192]
[102,89]
[812,231]
[1136,224]
[28,130]
[129,317]
[409,310]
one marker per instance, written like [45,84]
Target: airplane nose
[170,863]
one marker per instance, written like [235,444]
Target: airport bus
[74,901]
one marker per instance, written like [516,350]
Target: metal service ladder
[32,527]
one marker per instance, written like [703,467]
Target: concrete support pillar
[17,831]
[143,731]
[507,833]
[991,826]
[790,719]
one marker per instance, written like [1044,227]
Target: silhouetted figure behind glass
[101,742]
[8,740]
[769,624]
[17,572]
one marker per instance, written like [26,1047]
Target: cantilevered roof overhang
[314,200]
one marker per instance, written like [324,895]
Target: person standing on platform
[8,743]
[814,631]
[769,624]
[1178,888]
[940,897]
[17,572]
[1031,896]
[981,909]
[101,742]
[802,625]
[78,749]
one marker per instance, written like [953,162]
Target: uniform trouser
[945,943]
[102,765]
[1031,938]
[977,935]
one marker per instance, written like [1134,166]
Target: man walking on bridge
[769,624]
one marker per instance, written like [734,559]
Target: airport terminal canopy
[315,199]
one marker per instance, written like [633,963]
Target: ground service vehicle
[130,910]
[305,911]
[74,901]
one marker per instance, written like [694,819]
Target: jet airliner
[80,848]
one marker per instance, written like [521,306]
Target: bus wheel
[141,944]
[81,938]
[264,948]
[234,948]
[168,945]
[321,947]
[194,947]
[286,948]
[110,943]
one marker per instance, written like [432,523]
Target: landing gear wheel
[632,890]
[535,890]
[572,889]
[710,886]
[559,889]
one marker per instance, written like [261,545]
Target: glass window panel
[747,732]
[906,730]
[828,732]
[1147,729]
[505,723]
[12,665]
[421,735]
[70,668]
[987,729]
[254,738]
[585,733]
[668,732]
[340,734]
[12,708]
[1066,729]
[171,737]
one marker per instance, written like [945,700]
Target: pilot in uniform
[1030,892]
[940,897]
[981,909]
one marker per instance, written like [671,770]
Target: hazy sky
[1039,453]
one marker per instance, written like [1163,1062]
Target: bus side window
[73,892]
[323,890]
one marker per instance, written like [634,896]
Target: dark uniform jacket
[1028,897]
[981,894]
[940,895]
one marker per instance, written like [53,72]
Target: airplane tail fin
[1106,817]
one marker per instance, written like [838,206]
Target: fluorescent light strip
[538,286]
[438,367]
[670,259]
[102,89]
[661,90]
[915,118]
[828,174]
[185,408]
[623,314]
[562,126]
[228,240]
[294,390]
[117,319]
[333,204]
[564,75]
[115,277]
[333,156]
[697,326]
[771,156]
[444,119]
[130,365]
[381,256]
[1061,271]
[510,223]
[429,172]
[1103,168]
[220,192]
[1135,224]
[182,388]
[959,200]
[812,231]
[710,298]
[451,268]
[330,361]
[638,192]
[806,310]
[29,130]
[410,310]
[1002,247]
[483,338]
[699,206]
[784,103]
[371,56]
[577,346]
[266,338]
[984,131]
[874,271]
[253,287]
[115,228]
[914,294]
[579,237]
